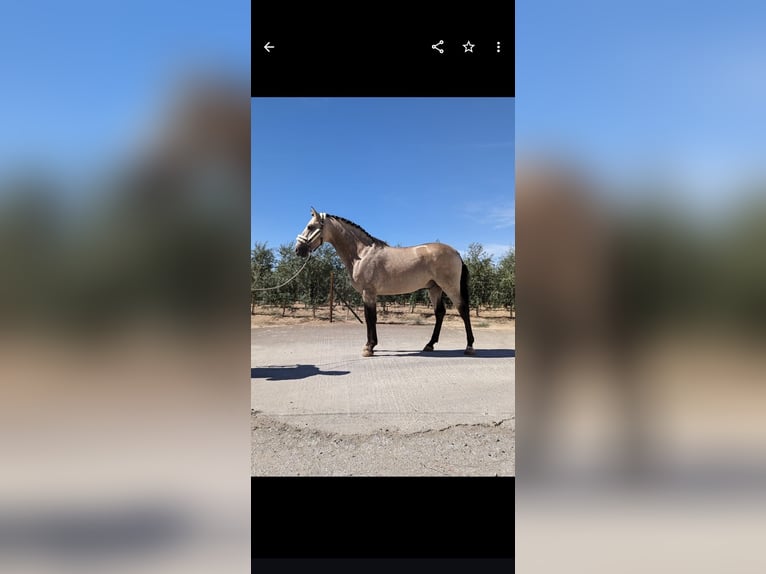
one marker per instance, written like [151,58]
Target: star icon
[469,47]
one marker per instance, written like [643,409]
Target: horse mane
[375,240]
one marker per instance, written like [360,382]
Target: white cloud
[497,250]
[501,216]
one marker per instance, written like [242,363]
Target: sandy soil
[455,450]
[392,315]
[318,408]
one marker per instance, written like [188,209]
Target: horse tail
[464,294]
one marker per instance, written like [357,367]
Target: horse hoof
[366,352]
[428,348]
[469,351]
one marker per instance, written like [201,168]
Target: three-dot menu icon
[468,47]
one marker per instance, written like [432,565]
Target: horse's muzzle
[302,249]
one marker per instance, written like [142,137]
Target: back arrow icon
[268,47]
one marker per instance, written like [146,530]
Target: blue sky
[409,171]
[82,79]
[657,89]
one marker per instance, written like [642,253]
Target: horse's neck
[348,245]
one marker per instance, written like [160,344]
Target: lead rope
[286,282]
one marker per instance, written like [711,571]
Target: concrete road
[319,407]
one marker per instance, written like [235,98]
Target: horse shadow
[291,372]
[436,353]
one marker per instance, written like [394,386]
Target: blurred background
[124,187]
[124,174]
[641,292]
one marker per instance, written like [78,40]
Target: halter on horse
[375,268]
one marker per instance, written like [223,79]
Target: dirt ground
[318,408]
[456,450]
[390,315]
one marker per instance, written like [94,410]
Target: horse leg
[370,318]
[462,307]
[435,293]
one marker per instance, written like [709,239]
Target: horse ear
[313,212]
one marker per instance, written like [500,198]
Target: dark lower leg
[370,318]
[464,313]
[439,311]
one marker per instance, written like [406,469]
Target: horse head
[311,237]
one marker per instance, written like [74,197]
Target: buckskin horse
[375,268]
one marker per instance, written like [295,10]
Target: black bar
[371,517]
[386,566]
[390,54]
